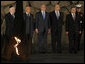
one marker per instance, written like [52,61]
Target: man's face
[28,10]
[43,7]
[73,10]
[57,7]
[78,9]
[12,10]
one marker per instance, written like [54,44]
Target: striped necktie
[73,16]
[57,14]
[43,15]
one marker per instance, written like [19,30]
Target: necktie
[13,15]
[28,14]
[43,15]
[57,14]
[73,16]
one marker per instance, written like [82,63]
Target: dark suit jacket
[81,20]
[40,23]
[28,24]
[9,24]
[56,24]
[71,25]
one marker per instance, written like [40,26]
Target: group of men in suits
[48,23]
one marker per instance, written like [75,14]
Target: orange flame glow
[15,46]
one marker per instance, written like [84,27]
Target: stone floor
[65,57]
[50,57]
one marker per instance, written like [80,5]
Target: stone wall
[35,6]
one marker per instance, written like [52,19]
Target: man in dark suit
[78,11]
[28,24]
[42,25]
[56,21]
[73,29]
[9,19]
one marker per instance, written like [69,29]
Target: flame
[18,41]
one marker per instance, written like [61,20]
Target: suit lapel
[76,17]
[60,14]
[72,17]
[30,16]
[54,14]
[11,17]
[42,15]
[45,15]
[26,17]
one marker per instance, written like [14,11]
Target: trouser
[2,44]
[79,39]
[73,41]
[42,41]
[56,41]
[9,48]
[28,45]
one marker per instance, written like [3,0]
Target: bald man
[28,25]
[9,18]
[56,21]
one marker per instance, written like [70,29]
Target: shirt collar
[43,11]
[27,13]
[56,11]
[11,13]
[72,13]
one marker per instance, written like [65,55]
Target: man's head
[28,9]
[57,7]
[12,9]
[78,9]
[43,7]
[73,9]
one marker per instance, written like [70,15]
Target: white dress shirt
[28,13]
[57,13]
[12,15]
[73,15]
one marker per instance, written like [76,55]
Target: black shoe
[70,52]
[59,51]
[78,49]
[43,52]
[75,52]
[54,51]
[40,52]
